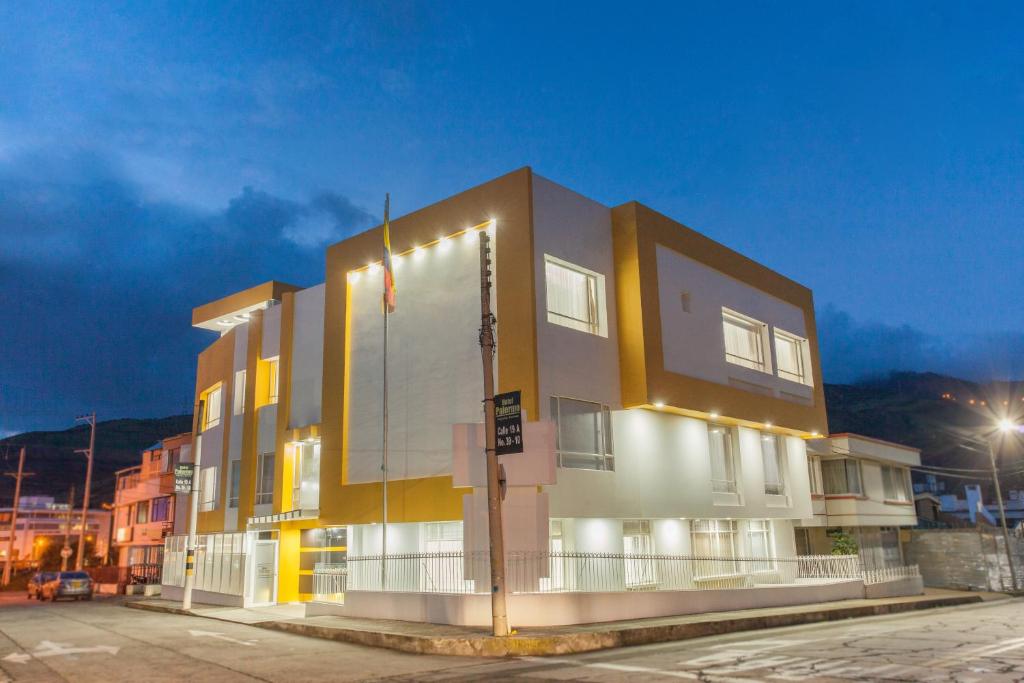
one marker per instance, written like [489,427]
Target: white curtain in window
[894,483]
[789,357]
[771,456]
[743,342]
[759,536]
[841,476]
[723,477]
[571,297]
[213,408]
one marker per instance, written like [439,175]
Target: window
[575,296]
[207,489]
[814,474]
[142,512]
[557,561]
[638,548]
[213,408]
[160,509]
[772,451]
[234,482]
[759,538]
[238,394]
[842,477]
[306,476]
[272,367]
[744,341]
[265,479]
[894,481]
[714,545]
[723,460]
[583,434]
[789,357]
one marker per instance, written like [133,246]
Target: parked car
[35,584]
[75,585]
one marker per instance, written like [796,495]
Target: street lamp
[1005,426]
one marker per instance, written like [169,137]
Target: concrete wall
[557,609]
[962,559]
[693,341]
[176,593]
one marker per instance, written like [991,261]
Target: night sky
[157,156]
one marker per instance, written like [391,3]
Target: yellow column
[288,565]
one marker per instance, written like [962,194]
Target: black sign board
[183,477]
[508,423]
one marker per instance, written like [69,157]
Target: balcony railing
[562,572]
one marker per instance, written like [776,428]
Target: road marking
[221,636]
[977,653]
[48,648]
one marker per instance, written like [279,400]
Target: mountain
[51,456]
[943,416]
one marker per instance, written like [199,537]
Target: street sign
[508,423]
[65,552]
[183,477]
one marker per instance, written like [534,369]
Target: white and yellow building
[668,384]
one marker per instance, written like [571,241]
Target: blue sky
[874,152]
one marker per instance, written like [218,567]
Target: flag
[390,290]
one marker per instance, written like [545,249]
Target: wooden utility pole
[91,419]
[9,564]
[65,552]
[499,605]
[1002,515]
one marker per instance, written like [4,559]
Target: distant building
[42,522]
[974,510]
[861,487]
[145,508]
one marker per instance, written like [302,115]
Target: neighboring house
[42,522]
[668,387]
[860,486]
[145,504]
[974,510]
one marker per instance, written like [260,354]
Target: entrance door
[264,577]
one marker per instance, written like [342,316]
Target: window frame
[597,303]
[238,393]
[846,477]
[234,482]
[729,453]
[261,495]
[800,343]
[897,476]
[718,532]
[766,532]
[814,476]
[737,319]
[606,458]
[208,489]
[273,379]
[780,463]
[211,420]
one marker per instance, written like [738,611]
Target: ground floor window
[714,544]
[638,548]
[759,538]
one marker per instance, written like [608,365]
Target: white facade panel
[435,377]
[307,357]
[271,342]
[692,336]
[572,363]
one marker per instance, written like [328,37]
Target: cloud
[852,350]
[99,280]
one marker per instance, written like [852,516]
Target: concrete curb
[601,638]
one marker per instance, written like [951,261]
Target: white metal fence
[561,572]
[329,581]
[891,574]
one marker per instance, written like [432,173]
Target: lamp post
[1005,427]
[90,419]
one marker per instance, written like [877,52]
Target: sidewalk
[437,639]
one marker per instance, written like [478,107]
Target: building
[668,384]
[973,509]
[145,503]
[861,487]
[42,522]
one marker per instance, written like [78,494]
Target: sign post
[508,423]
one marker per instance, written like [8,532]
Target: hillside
[935,413]
[51,455]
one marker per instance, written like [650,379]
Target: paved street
[102,641]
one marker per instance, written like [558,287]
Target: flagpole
[384,431]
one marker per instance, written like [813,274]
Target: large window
[744,341]
[238,394]
[584,434]
[207,489]
[723,459]
[759,538]
[265,479]
[714,545]
[160,509]
[638,546]
[842,477]
[234,482]
[789,357]
[306,476]
[894,480]
[213,408]
[772,452]
[814,474]
[575,296]
[142,512]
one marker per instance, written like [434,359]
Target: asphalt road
[102,641]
